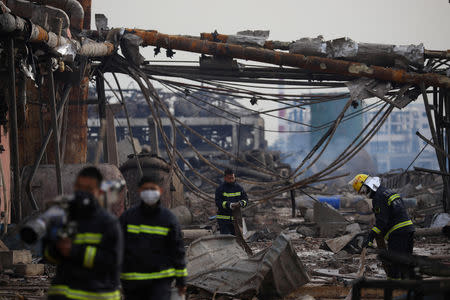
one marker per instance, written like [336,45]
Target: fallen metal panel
[219,265]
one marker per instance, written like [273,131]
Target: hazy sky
[379,21]
[376,21]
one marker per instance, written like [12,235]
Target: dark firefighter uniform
[394,224]
[92,271]
[226,194]
[154,252]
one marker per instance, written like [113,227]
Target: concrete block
[13,257]
[325,213]
[353,228]
[29,269]
[332,229]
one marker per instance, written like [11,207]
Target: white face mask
[150,197]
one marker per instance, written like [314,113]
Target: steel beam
[55,127]
[14,136]
[312,63]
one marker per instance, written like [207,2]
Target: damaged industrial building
[342,107]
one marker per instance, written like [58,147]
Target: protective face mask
[150,197]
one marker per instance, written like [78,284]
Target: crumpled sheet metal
[372,54]
[249,38]
[219,265]
[358,88]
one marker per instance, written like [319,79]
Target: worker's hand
[367,241]
[182,290]
[234,205]
[64,246]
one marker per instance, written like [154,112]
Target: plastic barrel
[334,201]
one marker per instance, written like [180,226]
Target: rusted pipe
[86,4]
[35,13]
[437,54]
[312,63]
[223,38]
[73,9]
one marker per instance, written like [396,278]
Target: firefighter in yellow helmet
[392,220]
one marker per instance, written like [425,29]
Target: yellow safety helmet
[358,181]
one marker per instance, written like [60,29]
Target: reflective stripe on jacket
[154,247]
[226,194]
[390,213]
[93,269]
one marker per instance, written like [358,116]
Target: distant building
[396,144]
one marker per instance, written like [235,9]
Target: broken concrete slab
[337,244]
[332,229]
[353,228]
[273,272]
[29,269]
[10,258]
[190,235]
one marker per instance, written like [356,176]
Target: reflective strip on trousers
[392,198]
[181,272]
[224,217]
[147,229]
[232,194]
[66,291]
[147,276]
[397,226]
[89,256]
[377,231]
[87,238]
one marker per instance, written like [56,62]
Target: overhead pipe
[36,34]
[312,63]
[73,8]
[29,10]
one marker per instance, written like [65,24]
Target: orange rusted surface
[312,63]
[86,4]
[223,38]
[6,164]
[214,38]
[29,131]
[42,36]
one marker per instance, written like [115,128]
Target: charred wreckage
[50,56]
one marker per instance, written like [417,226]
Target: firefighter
[88,264]
[392,220]
[229,195]
[154,251]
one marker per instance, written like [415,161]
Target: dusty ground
[331,274]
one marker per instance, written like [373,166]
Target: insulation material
[358,88]
[372,54]
[249,38]
[46,16]
[309,47]
[130,48]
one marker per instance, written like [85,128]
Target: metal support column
[14,138]
[102,114]
[154,137]
[55,128]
